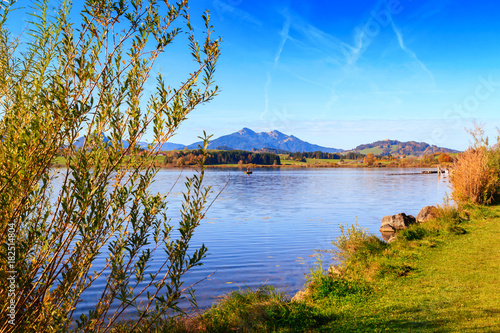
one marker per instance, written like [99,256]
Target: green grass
[440,276]
[453,285]
[394,148]
[321,161]
[374,151]
[313,161]
[59,160]
[292,162]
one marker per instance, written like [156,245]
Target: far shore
[301,166]
[286,166]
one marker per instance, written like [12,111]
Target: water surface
[264,227]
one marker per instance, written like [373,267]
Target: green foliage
[241,308]
[221,157]
[261,310]
[317,155]
[352,155]
[356,243]
[295,317]
[89,77]
[416,232]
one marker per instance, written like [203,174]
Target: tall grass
[262,310]
[476,172]
[355,249]
[474,179]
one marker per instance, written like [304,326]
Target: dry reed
[474,178]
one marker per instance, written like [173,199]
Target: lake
[265,227]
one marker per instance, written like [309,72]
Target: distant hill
[143,145]
[279,143]
[81,141]
[171,146]
[397,148]
[246,139]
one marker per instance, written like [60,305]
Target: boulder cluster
[392,223]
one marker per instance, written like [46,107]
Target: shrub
[64,79]
[355,241]
[416,232]
[262,310]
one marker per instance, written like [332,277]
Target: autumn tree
[369,159]
[444,158]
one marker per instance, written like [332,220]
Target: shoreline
[304,166]
[408,278]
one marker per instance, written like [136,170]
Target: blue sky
[341,73]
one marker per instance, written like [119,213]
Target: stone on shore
[397,222]
[427,213]
[387,228]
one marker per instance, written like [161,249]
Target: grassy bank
[441,276]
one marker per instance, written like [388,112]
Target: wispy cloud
[334,50]
[285,32]
[221,8]
[352,54]
[300,77]
[311,38]
[361,40]
[357,50]
[407,50]
[429,9]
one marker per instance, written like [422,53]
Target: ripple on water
[264,228]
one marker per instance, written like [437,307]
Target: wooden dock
[425,172]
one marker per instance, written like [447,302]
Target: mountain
[396,148]
[246,139]
[81,141]
[142,145]
[171,146]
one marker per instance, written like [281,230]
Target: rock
[397,222]
[386,235]
[387,229]
[300,296]
[334,270]
[427,213]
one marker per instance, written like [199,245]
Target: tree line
[326,156]
[192,157]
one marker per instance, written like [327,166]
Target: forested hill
[397,148]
